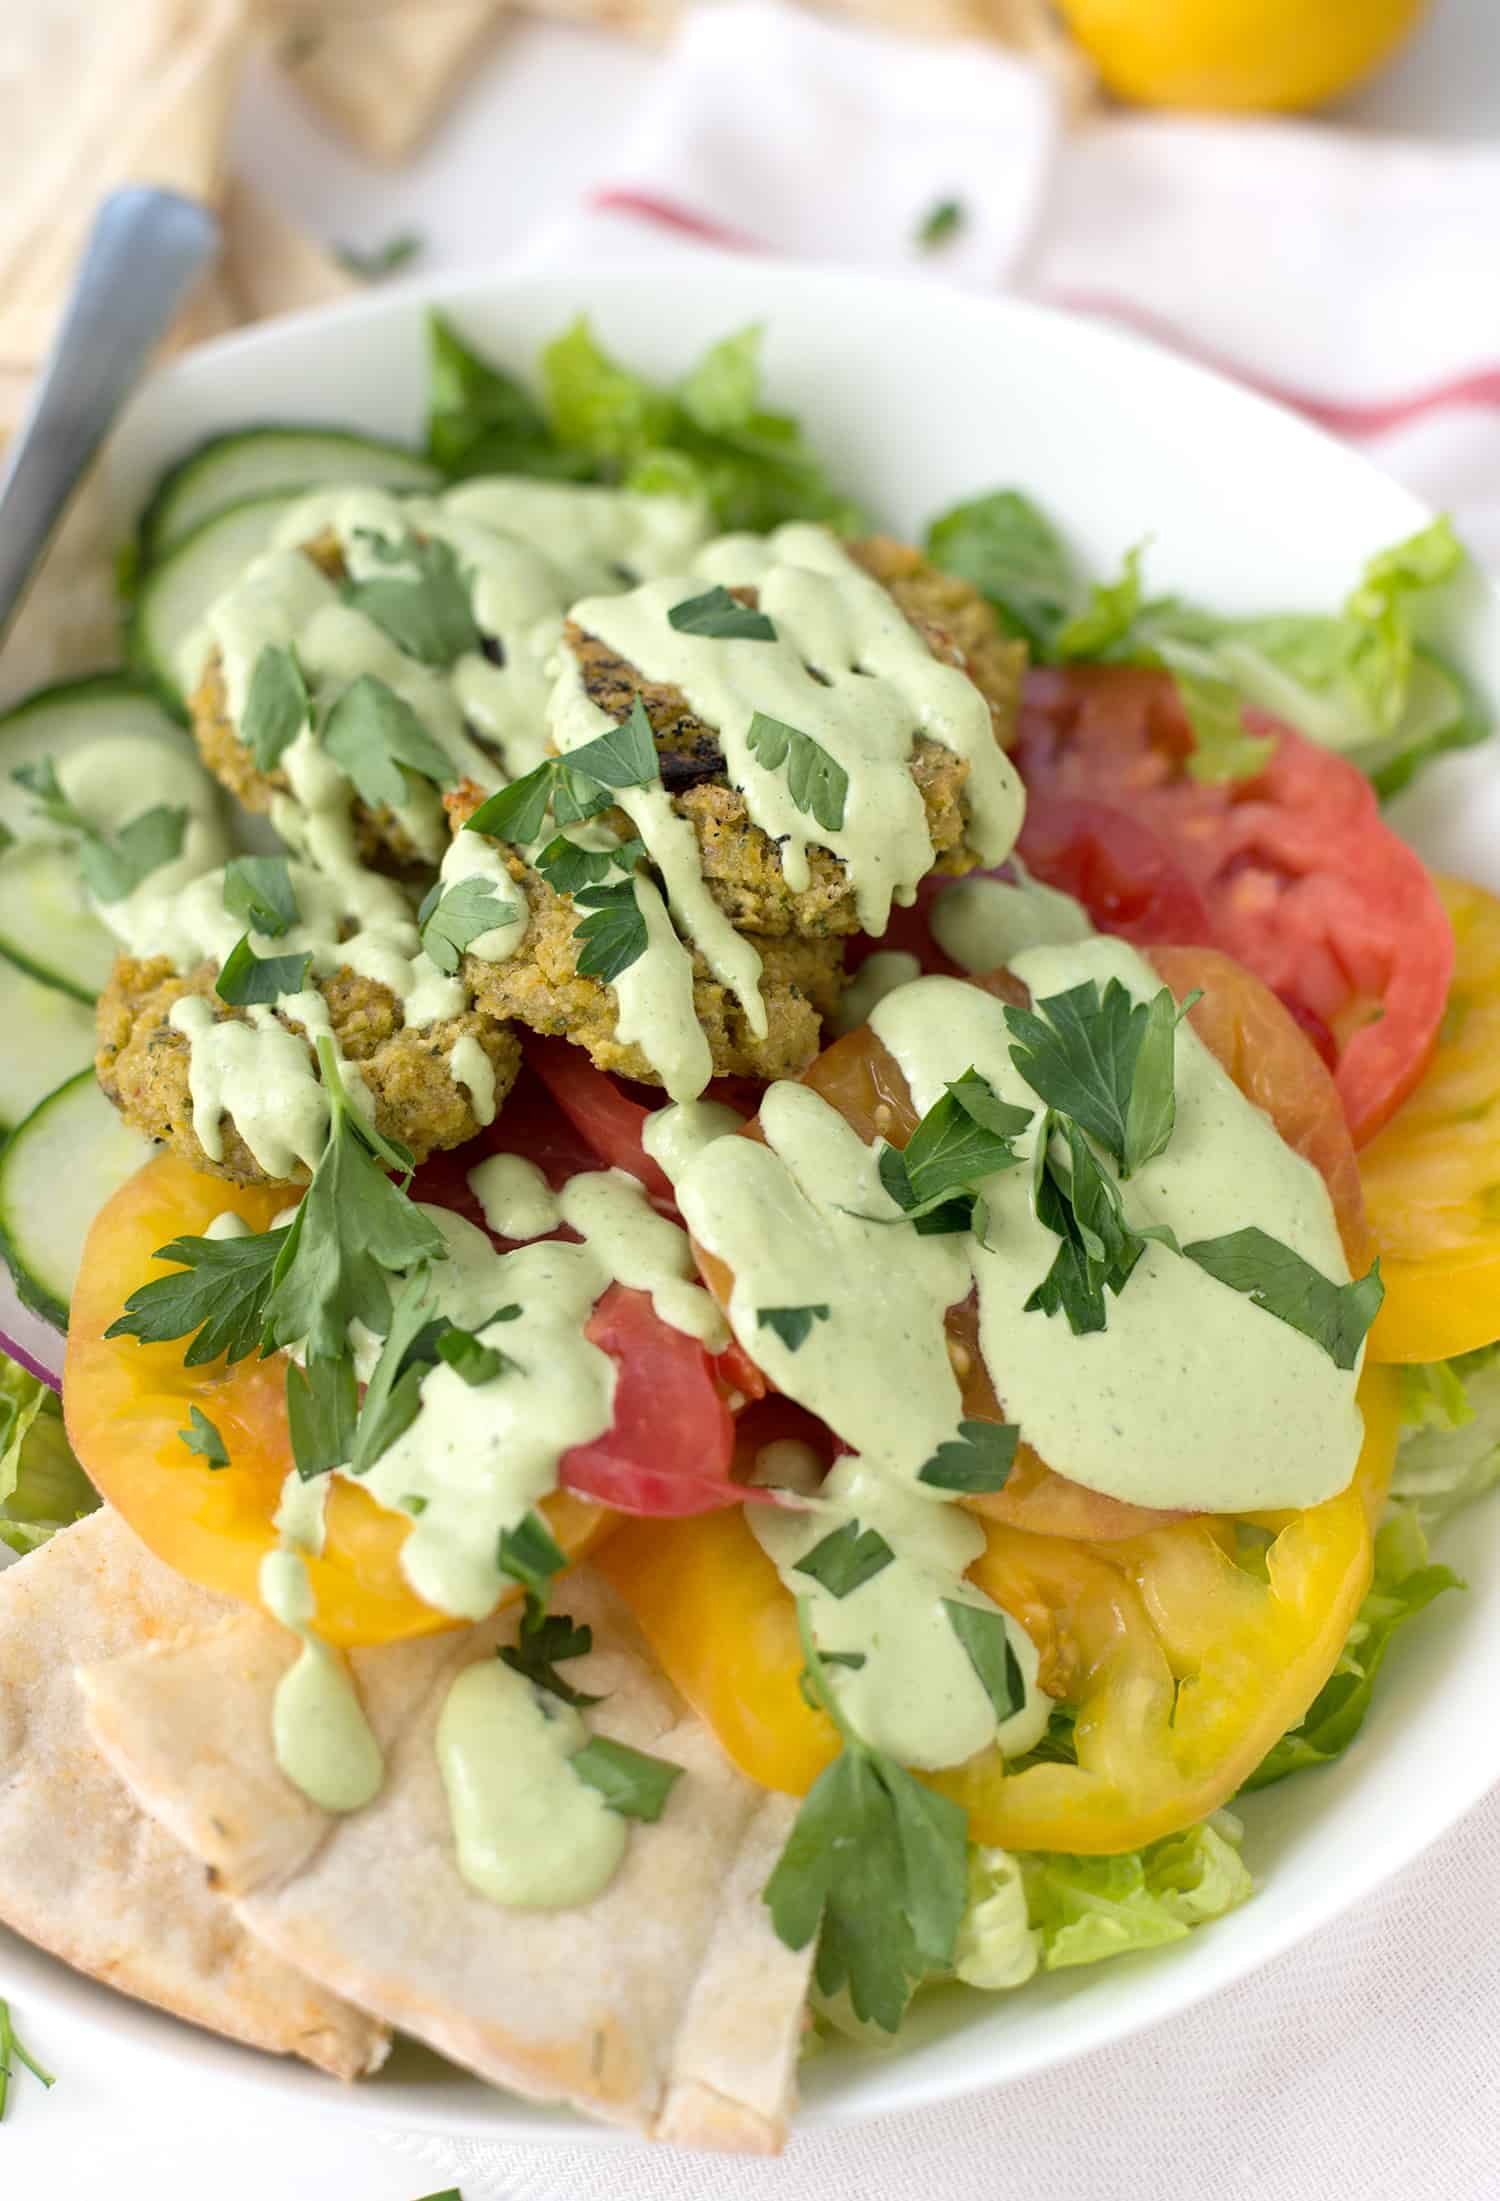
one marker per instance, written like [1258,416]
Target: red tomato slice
[528,1124]
[671,1446]
[1301,880]
[1126,876]
[600,1108]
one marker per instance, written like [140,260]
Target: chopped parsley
[985,1637]
[452,920]
[371,263]
[11,2046]
[613,934]
[543,1641]
[531,1555]
[375,738]
[393,1393]
[876,1867]
[846,1558]
[259,891]
[1079,1200]
[793,1325]
[202,1437]
[248,978]
[1335,1316]
[566,865]
[111,866]
[979,1458]
[471,1360]
[719,617]
[322,1413]
[1106,1061]
[816,782]
[422,602]
[277,706]
[964,1137]
[941,224]
[631,1782]
[574,787]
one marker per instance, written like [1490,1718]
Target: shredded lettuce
[707,436]
[42,1486]
[1405,1583]
[1359,680]
[1450,1453]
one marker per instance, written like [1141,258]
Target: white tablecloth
[1356,275]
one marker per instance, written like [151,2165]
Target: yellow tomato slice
[1183,1668]
[127,1405]
[1432,1176]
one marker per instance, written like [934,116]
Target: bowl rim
[1165,1983]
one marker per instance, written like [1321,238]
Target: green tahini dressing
[527,1829]
[323,1741]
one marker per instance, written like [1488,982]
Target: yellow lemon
[1243,54]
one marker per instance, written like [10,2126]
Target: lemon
[1241,54]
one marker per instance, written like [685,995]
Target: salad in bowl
[766,1245]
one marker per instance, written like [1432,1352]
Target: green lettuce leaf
[42,1486]
[1450,1453]
[1405,1583]
[1362,680]
[1089,1908]
[708,436]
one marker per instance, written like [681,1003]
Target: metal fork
[143,253]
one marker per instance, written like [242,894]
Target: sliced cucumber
[46,926]
[60,1166]
[49,1037]
[175,595]
[55,720]
[256,462]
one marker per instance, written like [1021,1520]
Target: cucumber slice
[49,1037]
[46,926]
[60,1166]
[257,462]
[175,595]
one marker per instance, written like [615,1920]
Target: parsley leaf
[816,782]
[614,934]
[353,1230]
[846,1558]
[248,977]
[470,1358]
[965,1137]
[530,1554]
[566,865]
[204,1439]
[876,1866]
[978,1458]
[1334,1316]
[375,737]
[1105,1060]
[1078,1200]
[623,756]
[41,782]
[371,263]
[423,603]
[111,869]
[259,891]
[992,1655]
[542,1642]
[576,786]
[941,224]
[322,1409]
[277,706]
[793,1325]
[393,1393]
[451,923]
[11,2046]
[630,1781]
[220,1291]
[717,616]
[517,812]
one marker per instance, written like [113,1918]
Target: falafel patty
[540,985]
[740,862]
[143,1061]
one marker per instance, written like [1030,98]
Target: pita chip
[87,1875]
[667,2003]
[383,76]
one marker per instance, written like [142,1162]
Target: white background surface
[540,123]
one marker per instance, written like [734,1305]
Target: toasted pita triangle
[83,1872]
[667,2003]
[384,76]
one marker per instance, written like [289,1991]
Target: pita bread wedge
[385,76]
[667,2003]
[86,1874]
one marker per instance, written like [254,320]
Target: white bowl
[918,397]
